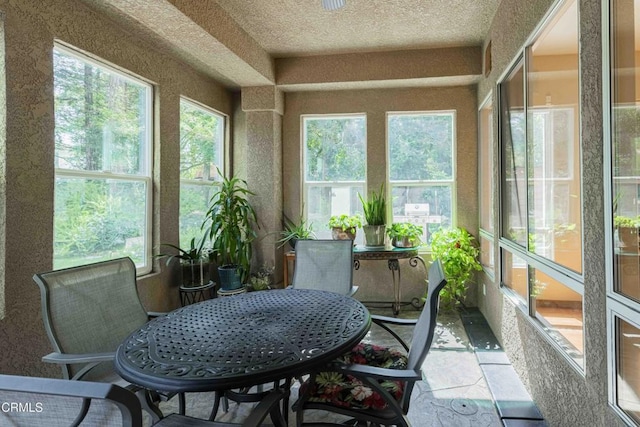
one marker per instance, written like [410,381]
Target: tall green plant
[455,248]
[375,209]
[229,223]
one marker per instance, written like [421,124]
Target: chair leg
[147,405]
[216,405]
[181,404]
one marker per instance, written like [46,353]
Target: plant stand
[192,295]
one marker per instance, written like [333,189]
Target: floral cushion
[349,392]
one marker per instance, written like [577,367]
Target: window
[102,207]
[421,160]
[541,206]
[485,185]
[202,133]
[623,144]
[334,168]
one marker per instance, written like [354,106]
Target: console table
[392,255]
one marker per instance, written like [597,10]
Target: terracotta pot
[338,234]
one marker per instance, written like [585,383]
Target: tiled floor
[452,393]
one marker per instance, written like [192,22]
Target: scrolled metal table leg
[394,266]
[413,262]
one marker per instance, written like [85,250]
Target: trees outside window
[202,136]
[420,153]
[334,168]
[102,163]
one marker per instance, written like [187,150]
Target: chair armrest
[384,321]
[62,358]
[154,314]
[375,372]
[393,320]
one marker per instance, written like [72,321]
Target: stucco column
[263,108]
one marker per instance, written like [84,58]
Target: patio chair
[87,312]
[324,265]
[387,373]
[47,402]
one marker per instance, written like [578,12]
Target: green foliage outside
[457,251]
[100,126]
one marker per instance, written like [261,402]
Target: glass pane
[97,219]
[101,118]
[335,148]
[514,274]
[555,214]
[512,119]
[486,255]
[420,146]
[201,141]
[326,201]
[486,166]
[625,93]
[560,310]
[426,205]
[628,368]
[194,202]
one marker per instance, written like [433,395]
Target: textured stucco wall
[563,394]
[375,104]
[31,26]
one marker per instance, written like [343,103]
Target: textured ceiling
[286,28]
[238,42]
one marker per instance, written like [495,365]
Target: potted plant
[405,234]
[627,231]
[194,262]
[295,231]
[455,248]
[229,223]
[261,279]
[375,212]
[344,226]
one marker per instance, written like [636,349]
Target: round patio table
[240,341]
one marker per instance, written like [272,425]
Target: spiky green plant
[375,209]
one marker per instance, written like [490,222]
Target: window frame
[567,277]
[145,177]
[488,150]
[618,306]
[451,183]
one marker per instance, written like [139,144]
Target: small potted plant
[295,231]
[344,226]
[627,230]
[457,251]
[194,262]
[375,213]
[261,279]
[405,234]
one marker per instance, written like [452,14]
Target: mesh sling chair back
[326,265]
[87,312]
[47,402]
[374,383]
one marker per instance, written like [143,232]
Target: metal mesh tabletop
[242,340]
